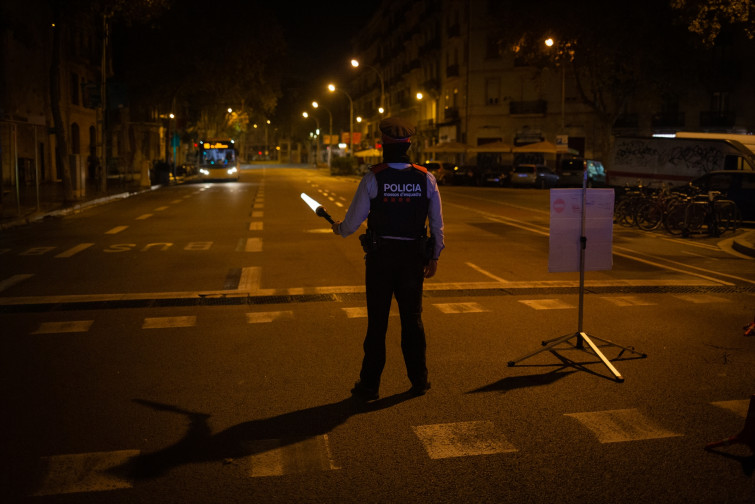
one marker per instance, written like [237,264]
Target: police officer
[397,198]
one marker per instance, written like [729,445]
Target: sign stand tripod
[581,336]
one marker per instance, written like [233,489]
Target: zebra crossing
[354,312]
[270,458]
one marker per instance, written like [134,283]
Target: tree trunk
[61,143]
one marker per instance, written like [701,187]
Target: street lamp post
[317,139]
[332,88]
[550,42]
[330,129]
[355,64]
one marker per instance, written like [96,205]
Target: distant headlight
[232,171]
[204,171]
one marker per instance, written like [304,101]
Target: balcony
[717,119]
[532,107]
[452,71]
[668,120]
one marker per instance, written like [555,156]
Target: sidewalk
[31,206]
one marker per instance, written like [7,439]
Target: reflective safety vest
[400,207]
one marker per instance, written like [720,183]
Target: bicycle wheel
[695,216]
[624,212]
[648,216]
[673,221]
[727,216]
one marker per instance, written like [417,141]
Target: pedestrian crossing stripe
[546,304]
[166,322]
[278,457]
[460,308]
[361,312]
[739,408]
[255,226]
[462,439]
[615,426]
[628,301]
[253,245]
[68,326]
[701,298]
[83,472]
[262,317]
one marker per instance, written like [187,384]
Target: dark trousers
[395,269]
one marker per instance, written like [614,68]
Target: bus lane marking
[145,216]
[449,308]
[546,304]
[116,230]
[75,250]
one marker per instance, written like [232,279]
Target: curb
[745,243]
[73,209]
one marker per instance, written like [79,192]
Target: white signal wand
[318,209]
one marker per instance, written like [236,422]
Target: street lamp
[317,140]
[330,129]
[382,109]
[549,42]
[332,88]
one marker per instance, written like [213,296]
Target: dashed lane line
[168,322]
[116,230]
[68,326]
[74,250]
[10,281]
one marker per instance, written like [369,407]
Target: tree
[614,53]
[708,18]
[65,13]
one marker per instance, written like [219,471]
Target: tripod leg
[602,357]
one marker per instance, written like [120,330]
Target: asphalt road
[197,343]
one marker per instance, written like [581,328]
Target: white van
[572,173]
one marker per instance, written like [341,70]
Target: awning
[456,147]
[544,147]
[492,147]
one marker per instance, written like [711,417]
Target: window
[492,91]
[75,89]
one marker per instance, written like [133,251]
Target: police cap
[396,130]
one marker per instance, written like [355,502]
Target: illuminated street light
[330,130]
[332,88]
[317,140]
[382,109]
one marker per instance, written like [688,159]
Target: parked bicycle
[707,213]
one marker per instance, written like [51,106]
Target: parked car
[530,175]
[736,185]
[467,175]
[497,175]
[443,171]
[572,173]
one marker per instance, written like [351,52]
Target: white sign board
[566,229]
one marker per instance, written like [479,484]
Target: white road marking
[628,301]
[75,250]
[116,230]
[10,281]
[36,251]
[69,326]
[253,245]
[460,308]
[250,279]
[257,214]
[276,457]
[486,273]
[701,298]
[546,304]
[615,426]
[144,216]
[160,209]
[166,322]
[263,317]
[83,472]
[255,226]
[737,407]
[462,439]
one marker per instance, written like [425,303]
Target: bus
[217,160]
